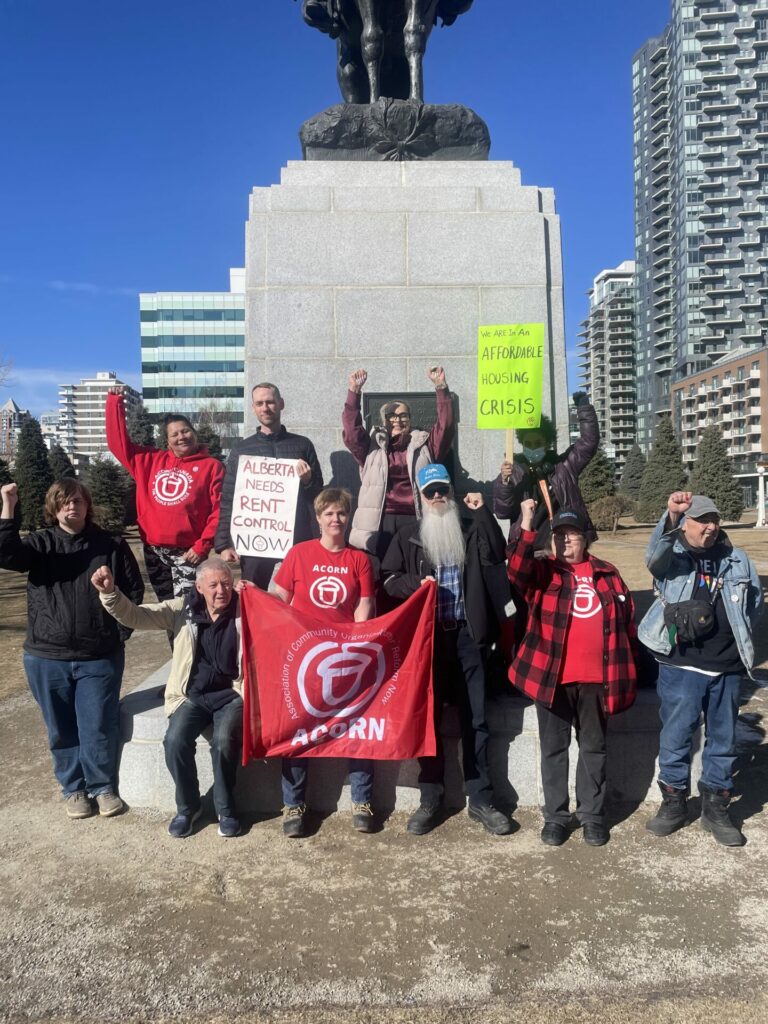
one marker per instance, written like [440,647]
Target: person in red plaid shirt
[576,661]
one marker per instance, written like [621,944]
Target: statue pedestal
[392,267]
[633,742]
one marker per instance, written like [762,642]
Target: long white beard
[441,535]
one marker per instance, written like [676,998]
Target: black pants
[459,674]
[579,705]
[184,726]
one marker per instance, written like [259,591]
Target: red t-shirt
[328,583]
[583,654]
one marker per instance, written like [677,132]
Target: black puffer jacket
[65,618]
[560,473]
[486,592]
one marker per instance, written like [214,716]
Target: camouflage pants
[168,573]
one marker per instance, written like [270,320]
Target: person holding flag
[326,579]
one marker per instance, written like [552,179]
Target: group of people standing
[576,646]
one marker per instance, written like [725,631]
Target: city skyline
[138,138]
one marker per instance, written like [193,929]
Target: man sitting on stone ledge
[204,687]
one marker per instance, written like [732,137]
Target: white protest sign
[264,506]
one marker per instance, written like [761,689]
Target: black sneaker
[595,833]
[294,825]
[229,827]
[553,833]
[181,826]
[424,819]
[493,821]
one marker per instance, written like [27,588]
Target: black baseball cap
[569,517]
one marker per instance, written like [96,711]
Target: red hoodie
[177,499]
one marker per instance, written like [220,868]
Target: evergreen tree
[140,425]
[33,474]
[60,463]
[713,474]
[597,478]
[632,476]
[109,485]
[208,437]
[5,474]
[663,473]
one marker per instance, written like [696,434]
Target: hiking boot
[595,833]
[362,818]
[424,819]
[78,805]
[493,821]
[294,826]
[229,827]
[109,804]
[715,817]
[553,833]
[181,826]
[672,814]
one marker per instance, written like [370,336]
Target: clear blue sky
[134,131]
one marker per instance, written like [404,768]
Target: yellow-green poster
[510,376]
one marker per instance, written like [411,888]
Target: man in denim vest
[703,650]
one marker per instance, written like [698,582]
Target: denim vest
[674,570]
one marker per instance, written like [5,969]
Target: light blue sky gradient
[134,131]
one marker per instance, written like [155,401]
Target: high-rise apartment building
[82,426]
[700,107]
[11,419]
[192,354]
[607,359]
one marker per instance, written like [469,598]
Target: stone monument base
[514,754]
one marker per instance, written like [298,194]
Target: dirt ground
[114,921]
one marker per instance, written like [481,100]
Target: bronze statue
[380,43]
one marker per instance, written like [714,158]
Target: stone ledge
[514,753]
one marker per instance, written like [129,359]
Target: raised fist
[356,381]
[679,502]
[437,375]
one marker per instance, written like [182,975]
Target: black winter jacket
[281,445]
[65,618]
[561,475]
[486,590]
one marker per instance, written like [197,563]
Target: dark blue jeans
[294,780]
[80,702]
[683,696]
[184,726]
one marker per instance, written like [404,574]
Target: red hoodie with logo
[177,499]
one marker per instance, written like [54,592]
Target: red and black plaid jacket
[548,591]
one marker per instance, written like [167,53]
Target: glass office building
[192,355]
[700,108]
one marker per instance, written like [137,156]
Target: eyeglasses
[399,416]
[567,534]
[441,491]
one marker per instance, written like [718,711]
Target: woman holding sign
[389,459]
[330,580]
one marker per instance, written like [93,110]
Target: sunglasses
[399,416]
[441,490]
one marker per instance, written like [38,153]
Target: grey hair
[389,407]
[213,564]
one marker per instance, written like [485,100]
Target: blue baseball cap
[434,473]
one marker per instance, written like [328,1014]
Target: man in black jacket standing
[73,652]
[271,441]
[438,547]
